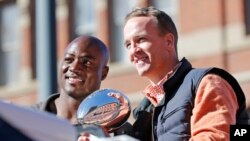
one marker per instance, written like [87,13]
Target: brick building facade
[211,33]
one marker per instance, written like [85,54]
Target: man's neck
[67,107]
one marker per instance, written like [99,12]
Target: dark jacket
[49,106]
[171,121]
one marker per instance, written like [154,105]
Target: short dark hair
[165,22]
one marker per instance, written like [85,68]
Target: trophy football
[108,109]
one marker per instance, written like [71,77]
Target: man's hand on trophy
[91,132]
[121,99]
[84,137]
[88,137]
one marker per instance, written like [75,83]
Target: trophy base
[91,129]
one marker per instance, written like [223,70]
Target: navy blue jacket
[171,121]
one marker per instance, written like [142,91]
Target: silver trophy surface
[107,108]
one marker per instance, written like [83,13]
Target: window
[120,9]
[9,44]
[168,6]
[84,17]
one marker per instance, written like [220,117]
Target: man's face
[81,69]
[147,48]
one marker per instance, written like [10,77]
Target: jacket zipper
[152,125]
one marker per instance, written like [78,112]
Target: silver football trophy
[103,110]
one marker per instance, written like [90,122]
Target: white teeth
[141,60]
[74,79]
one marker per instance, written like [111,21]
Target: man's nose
[75,66]
[134,48]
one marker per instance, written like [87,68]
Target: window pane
[168,6]
[120,9]
[9,44]
[85,17]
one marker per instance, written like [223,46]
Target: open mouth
[141,60]
[74,80]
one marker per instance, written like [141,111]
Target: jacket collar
[175,81]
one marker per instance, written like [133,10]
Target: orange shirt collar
[155,93]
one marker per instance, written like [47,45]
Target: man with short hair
[83,68]
[181,102]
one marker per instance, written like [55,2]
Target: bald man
[83,67]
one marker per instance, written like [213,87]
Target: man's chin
[141,73]
[75,95]
[72,92]
[69,89]
[142,70]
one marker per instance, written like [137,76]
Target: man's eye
[128,46]
[68,60]
[141,40]
[86,61]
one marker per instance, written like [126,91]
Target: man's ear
[169,38]
[105,72]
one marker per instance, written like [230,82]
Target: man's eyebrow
[68,54]
[135,37]
[88,57]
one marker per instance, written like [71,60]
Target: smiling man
[181,102]
[83,67]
